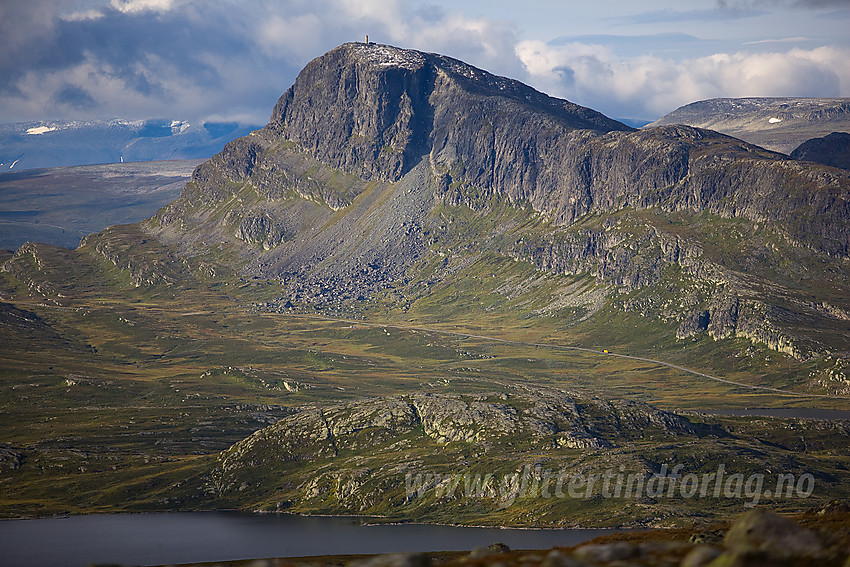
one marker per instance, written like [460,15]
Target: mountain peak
[377,110]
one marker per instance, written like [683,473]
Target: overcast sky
[201,60]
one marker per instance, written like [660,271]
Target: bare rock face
[447,419]
[260,228]
[696,323]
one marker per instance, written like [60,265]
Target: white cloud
[86,15]
[651,86]
[133,6]
[298,32]
[290,37]
[480,41]
[797,39]
[388,14]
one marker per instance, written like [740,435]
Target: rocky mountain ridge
[483,134]
[480,138]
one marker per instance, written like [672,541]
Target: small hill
[510,457]
[778,124]
[833,150]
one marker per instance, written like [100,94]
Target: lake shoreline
[198,537]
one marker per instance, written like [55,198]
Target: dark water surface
[184,537]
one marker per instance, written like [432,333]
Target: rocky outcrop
[693,324]
[447,419]
[625,259]
[764,532]
[233,165]
[10,458]
[257,227]
[548,418]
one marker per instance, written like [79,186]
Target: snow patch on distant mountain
[179,126]
[40,130]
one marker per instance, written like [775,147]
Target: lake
[185,537]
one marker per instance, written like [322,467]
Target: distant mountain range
[778,124]
[28,145]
